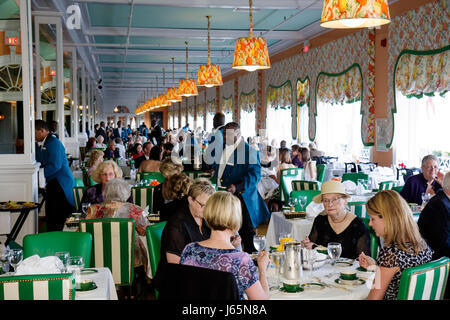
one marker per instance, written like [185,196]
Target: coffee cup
[348,275]
[291,287]
[86,284]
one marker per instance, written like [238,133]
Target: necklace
[341,220]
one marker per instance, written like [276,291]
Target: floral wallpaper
[433,21]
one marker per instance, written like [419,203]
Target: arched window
[338,120]
[183,115]
[211,109]
[247,114]
[303,95]
[279,113]
[227,108]
[422,79]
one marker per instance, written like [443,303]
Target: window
[303,121]
[279,124]
[211,108]
[248,123]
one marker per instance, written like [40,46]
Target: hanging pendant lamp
[156,103]
[163,98]
[343,14]
[172,95]
[209,75]
[187,86]
[251,52]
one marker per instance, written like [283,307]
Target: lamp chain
[173,73]
[209,49]
[251,18]
[186,60]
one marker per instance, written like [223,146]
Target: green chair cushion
[321,172]
[286,178]
[153,234]
[48,243]
[304,185]
[150,176]
[143,197]
[354,176]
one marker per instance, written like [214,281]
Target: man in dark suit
[215,146]
[101,131]
[146,148]
[156,132]
[120,132]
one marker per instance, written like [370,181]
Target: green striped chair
[153,234]
[77,196]
[354,176]
[286,178]
[79,182]
[398,189]
[85,176]
[321,168]
[143,197]
[304,185]
[150,176]
[387,185]
[425,282]
[374,239]
[48,243]
[197,174]
[112,246]
[310,194]
[59,286]
[358,209]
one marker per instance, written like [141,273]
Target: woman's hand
[439,178]
[263,260]
[307,243]
[366,261]
[236,241]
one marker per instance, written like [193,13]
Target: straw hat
[331,186]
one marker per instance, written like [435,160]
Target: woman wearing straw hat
[337,224]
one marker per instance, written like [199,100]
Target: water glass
[310,257]
[4,259]
[75,266]
[425,198]
[259,241]
[284,235]
[277,259]
[85,208]
[64,256]
[334,251]
[15,257]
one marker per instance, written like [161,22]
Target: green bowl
[291,287]
[348,275]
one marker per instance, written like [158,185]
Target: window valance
[344,87]
[302,92]
[419,73]
[211,106]
[280,97]
[227,104]
[247,101]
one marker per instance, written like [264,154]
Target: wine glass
[15,257]
[292,203]
[425,198]
[302,201]
[334,251]
[64,256]
[310,257]
[259,241]
[85,208]
[4,259]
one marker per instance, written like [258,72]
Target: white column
[74,94]
[59,81]
[116,118]
[88,104]
[83,97]
[38,70]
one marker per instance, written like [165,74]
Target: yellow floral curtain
[280,97]
[302,92]
[419,74]
[191,110]
[227,104]
[211,106]
[345,87]
[247,101]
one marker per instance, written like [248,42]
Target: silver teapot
[292,268]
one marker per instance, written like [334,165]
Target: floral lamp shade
[187,88]
[209,75]
[251,54]
[172,95]
[342,14]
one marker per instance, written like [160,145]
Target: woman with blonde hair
[285,163]
[95,158]
[223,215]
[104,172]
[404,247]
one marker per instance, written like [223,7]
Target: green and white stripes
[387,185]
[38,287]
[143,197]
[358,209]
[113,246]
[304,185]
[77,196]
[287,176]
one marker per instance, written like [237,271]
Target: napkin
[37,265]
[350,186]
[314,209]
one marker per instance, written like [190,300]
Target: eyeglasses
[331,201]
[200,204]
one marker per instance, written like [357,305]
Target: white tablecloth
[298,228]
[106,290]
[327,274]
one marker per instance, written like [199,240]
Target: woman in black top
[337,224]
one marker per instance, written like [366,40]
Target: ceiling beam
[220,4]
[167,66]
[163,53]
[170,33]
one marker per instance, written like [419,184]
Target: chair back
[85,176]
[143,197]
[374,239]
[153,234]
[79,182]
[358,209]
[352,176]
[425,282]
[197,174]
[183,282]
[398,188]
[387,185]
[310,194]
[150,176]
[48,243]
[286,178]
[82,153]
[77,196]
[321,168]
[113,246]
[304,185]
[60,286]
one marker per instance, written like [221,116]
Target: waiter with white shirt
[240,171]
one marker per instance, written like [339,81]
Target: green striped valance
[227,104]
[344,87]
[247,101]
[211,106]
[280,97]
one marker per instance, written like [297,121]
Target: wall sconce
[306,46]
[2,116]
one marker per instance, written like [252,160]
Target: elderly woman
[429,181]
[404,247]
[223,215]
[104,172]
[161,195]
[95,158]
[337,224]
[111,151]
[154,161]
[186,224]
[100,143]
